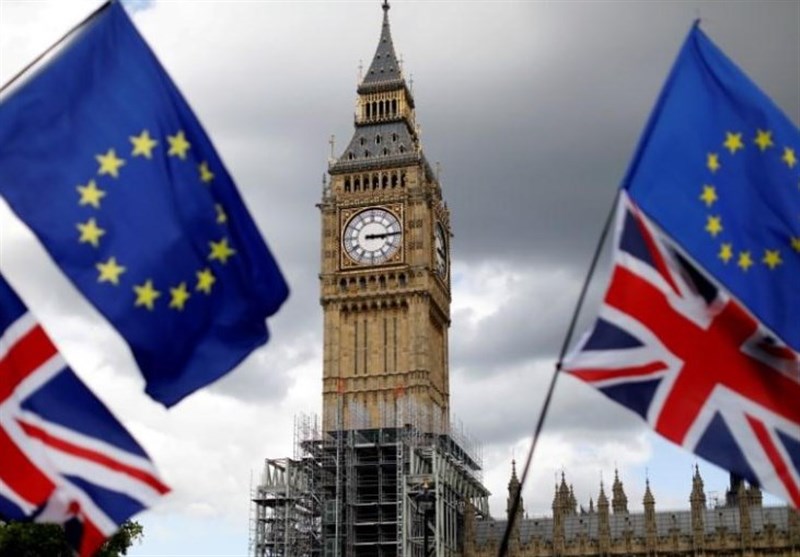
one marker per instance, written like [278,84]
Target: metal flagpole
[546,405]
[55,45]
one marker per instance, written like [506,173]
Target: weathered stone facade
[386,293]
[741,527]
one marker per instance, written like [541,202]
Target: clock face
[440,253]
[372,236]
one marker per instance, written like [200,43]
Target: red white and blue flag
[673,347]
[64,457]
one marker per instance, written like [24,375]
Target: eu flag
[103,159]
[717,169]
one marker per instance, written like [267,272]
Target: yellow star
[789,157]
[745,261]
[221,251]
[725,252]
[146,295]
[178,146]
[714,225]
[772,258]
[110,271]
[763,139]
[712,162]
[795,243]
[733,142]
[90,232]
[179,296]
[709,195]
[222,218]
[205,280]
[109,163]
[205,174]
[90,194]
[143,144]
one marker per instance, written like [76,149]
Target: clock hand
[382,235]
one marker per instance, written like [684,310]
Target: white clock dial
[372,236]
[440,250]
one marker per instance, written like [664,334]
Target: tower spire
[384,69]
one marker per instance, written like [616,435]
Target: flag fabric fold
[64,457]
[690,360]
[101,156]
[717,169]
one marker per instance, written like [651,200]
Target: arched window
[347,184]
[378,139]
[394,179]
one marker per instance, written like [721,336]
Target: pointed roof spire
[648,495]
[385,67]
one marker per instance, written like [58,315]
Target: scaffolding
[380,492]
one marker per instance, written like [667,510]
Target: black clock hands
[381,235]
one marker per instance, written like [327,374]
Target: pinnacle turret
[619,501]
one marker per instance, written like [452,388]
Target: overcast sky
[533,110]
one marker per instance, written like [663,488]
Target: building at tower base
[740,526]
[376,492]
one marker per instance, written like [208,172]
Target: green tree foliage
[28,539]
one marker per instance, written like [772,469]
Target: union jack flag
[64,457]
[692,362]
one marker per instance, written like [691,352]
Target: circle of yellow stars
[110,271]
[744,259]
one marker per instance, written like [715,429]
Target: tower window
[384,178]
[350,156]
[347,184]
[385,151]
[394,137]
[394,107]
[402,148]
[356,184]
[361,141]
[366,154]
[375,181]
[394,179]
[378,139]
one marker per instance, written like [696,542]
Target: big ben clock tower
[384,473]
[385,282]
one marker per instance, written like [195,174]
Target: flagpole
[547,399]
[53,46]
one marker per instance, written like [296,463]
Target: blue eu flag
[717,168]
[103,159]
